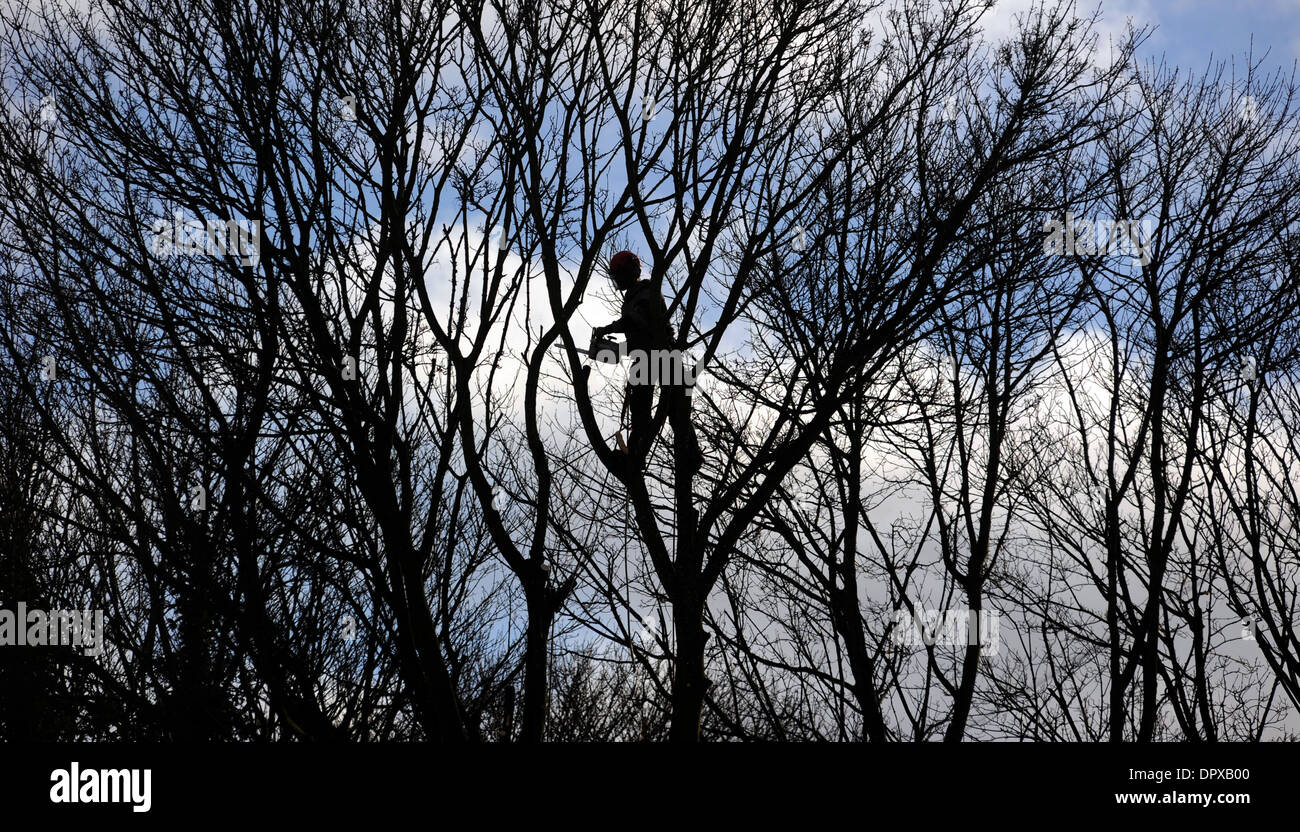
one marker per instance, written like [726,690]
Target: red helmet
[625,267]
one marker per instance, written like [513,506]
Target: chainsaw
[605,349]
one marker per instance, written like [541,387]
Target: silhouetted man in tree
[644,321]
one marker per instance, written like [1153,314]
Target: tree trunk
[536,668]
[689,680]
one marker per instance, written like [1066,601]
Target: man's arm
[617,326]
[643,311]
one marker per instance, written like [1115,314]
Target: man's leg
[679,416]
[639,401]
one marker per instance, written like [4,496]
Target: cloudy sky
[1188,32]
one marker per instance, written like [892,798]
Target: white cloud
[1000,22]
